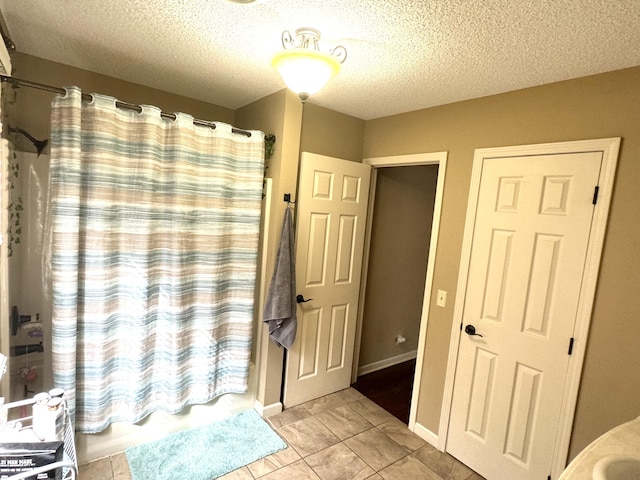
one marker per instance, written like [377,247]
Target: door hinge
[595,194]
[571,346]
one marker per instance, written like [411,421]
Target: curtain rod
[119,104]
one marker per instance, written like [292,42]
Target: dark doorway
[390,388]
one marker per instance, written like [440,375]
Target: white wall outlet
[441,299]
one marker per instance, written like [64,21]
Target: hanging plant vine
[269,145]
[15,205]
[269,148]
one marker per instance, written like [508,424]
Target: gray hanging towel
[280,307]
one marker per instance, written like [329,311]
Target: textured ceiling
[403,55]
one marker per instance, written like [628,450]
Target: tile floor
[343,436]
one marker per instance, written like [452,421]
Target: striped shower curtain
[154,228]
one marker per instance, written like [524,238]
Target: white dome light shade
[303,67]
[305,71]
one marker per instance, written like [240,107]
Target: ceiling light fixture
[303,67]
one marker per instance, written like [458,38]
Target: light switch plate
[441,300]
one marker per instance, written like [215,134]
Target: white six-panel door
[530,239]
[330,229]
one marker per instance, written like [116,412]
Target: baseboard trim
[268,410]
[426,434]
[387,362]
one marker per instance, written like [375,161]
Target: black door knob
[471,331]
[301,299]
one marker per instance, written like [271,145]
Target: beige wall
[593,107]
[606,105]
[280,114]
[401,229]
[32,111]
[330,133]
[266,115]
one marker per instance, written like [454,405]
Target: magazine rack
[68,465]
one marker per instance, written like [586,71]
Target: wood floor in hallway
[390,388]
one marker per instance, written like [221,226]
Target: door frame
[433,158]
[609,148]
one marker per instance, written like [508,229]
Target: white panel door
[529,246]
[331,213]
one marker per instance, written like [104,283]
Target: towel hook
[287,198]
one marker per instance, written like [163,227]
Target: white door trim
[433,158]
[609,148]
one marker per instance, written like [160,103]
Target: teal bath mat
[206,452]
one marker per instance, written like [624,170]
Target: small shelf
[68,464]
